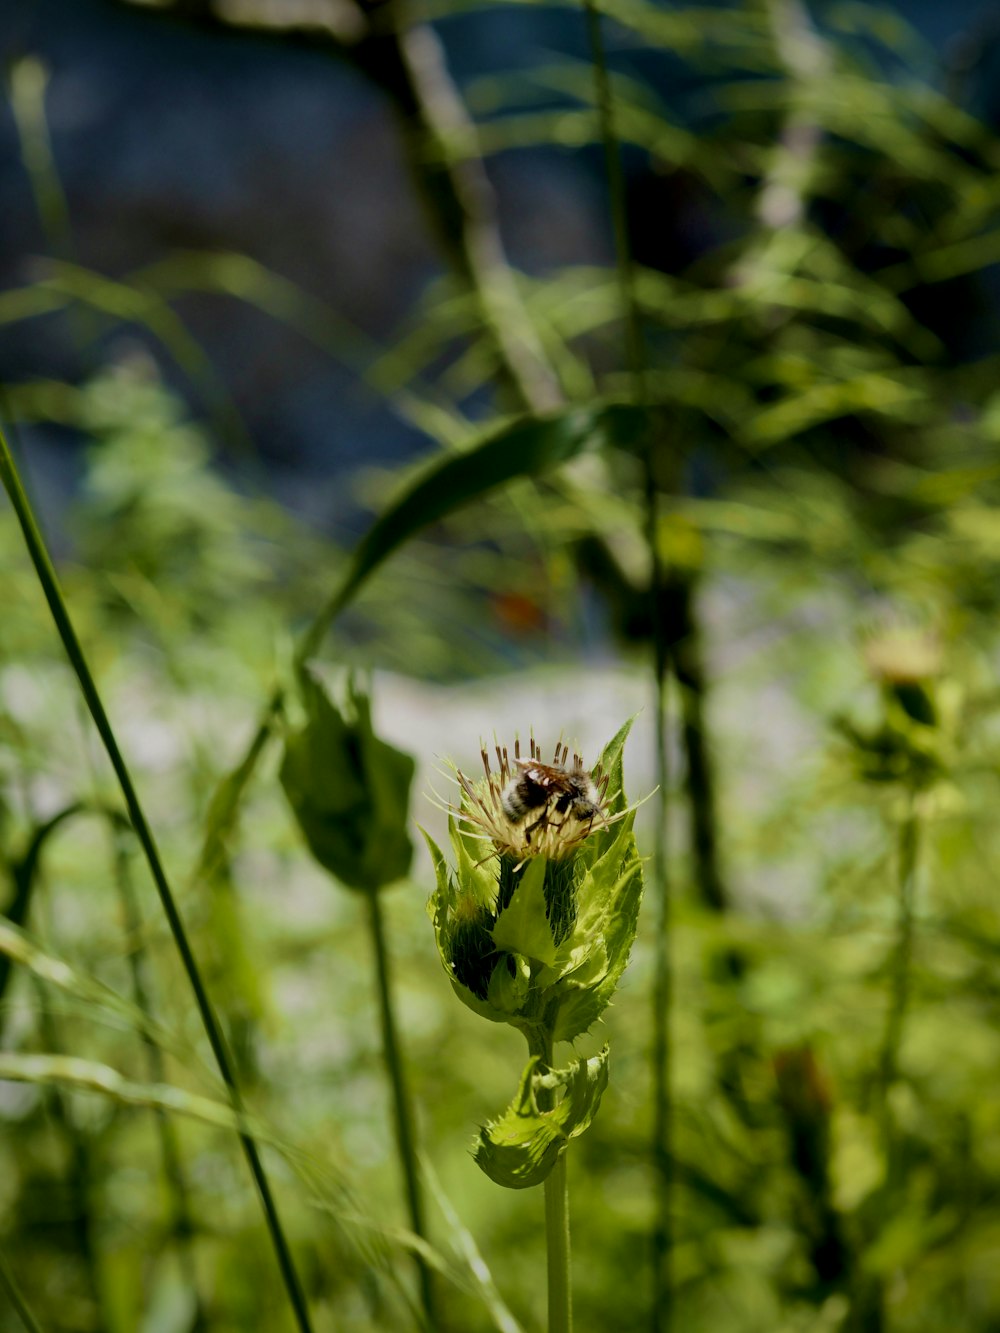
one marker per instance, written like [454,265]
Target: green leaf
[99,1001]
[524,448]
[471,869]
[521,1147]
[443,907]
[610,763]
[23,873]
[509,984]
[523,927]
[349,791]
[610,915]
[223,808]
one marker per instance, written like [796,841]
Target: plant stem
[869,1297]
[660,1147]
[557,1246]
[684,648]
[74,651]
[401,1105]
[616,191]
[900,993]
[20,1305]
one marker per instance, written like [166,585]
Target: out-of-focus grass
[833,447]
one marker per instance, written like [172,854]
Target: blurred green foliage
[836,1030]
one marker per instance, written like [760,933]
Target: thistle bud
[908,745]
[535,924]
[906,663]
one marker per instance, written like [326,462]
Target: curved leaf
[524,448]
[521,1147]
[349,790]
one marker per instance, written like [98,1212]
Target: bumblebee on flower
[534,922]
[529,808]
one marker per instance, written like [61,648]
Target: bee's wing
[549,778]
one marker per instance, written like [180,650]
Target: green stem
[684,648]
[20,1305]
[74,651]
[899,997]
[557,1246]
[616,191]
[869,1296]
[401,1105]
[660,1148]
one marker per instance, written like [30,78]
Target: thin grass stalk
[402,1106]
[53,595]
[660,1147]
[13,1291]
[181,1219]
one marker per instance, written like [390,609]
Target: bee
[550,790]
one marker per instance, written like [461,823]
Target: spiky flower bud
[535,925]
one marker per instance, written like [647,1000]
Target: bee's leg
[530,828]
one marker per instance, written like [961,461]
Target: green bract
[522,1146]
[349,791]
[541,946]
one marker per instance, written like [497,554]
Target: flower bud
[349,791]
[534,928]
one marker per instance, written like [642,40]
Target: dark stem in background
[685,654]
[181,1224]
[20,1305]
[660,1147]
[868,1312]
[60,614]
[401,1105]
[900,992]
[79,1171]
[868,1297]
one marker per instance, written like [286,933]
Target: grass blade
[74,651]
[16,1299]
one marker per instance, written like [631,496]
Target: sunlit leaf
[349,790]
[521,1147]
